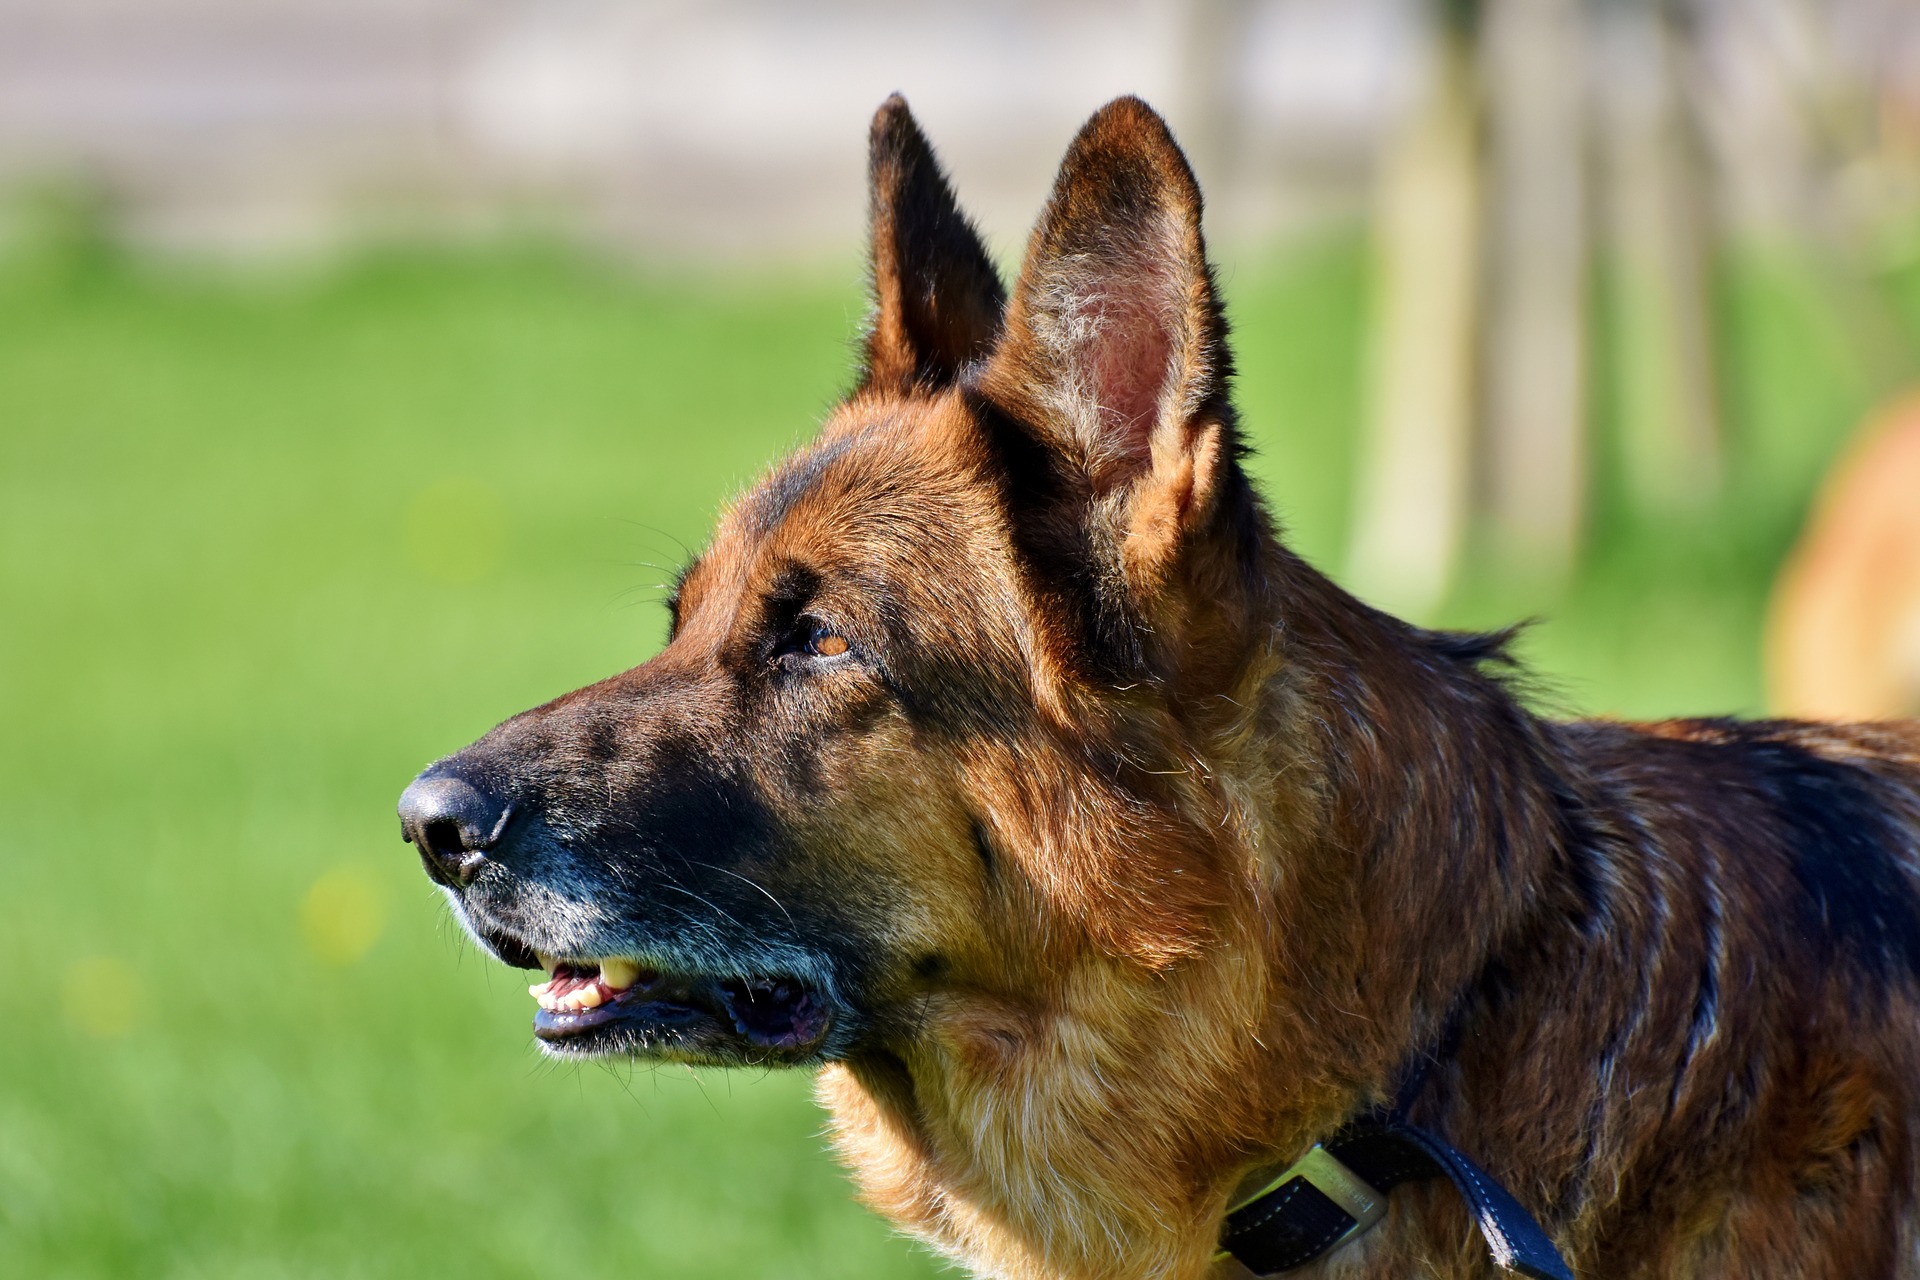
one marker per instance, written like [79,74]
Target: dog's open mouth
[616,1005]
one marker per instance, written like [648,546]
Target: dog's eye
[809,637]
[823,642]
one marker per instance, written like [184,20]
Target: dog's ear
[1114,345]
[936,297]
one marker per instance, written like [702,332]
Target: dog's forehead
[883,489]
[866,450]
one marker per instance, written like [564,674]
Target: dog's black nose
[452,822]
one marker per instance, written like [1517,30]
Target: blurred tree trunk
[1534,466]
[1661,309]
[1211,93]
[1415,474]
[1835,215]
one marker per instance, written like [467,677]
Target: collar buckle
[1320,1169]
[1357,1198]
[1326,1199]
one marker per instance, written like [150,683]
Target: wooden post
[1661,298]
[1210,97]
[1414,477]
[1535,455]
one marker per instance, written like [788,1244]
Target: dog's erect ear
[1114,345]
[936,296]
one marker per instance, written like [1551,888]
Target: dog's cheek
[881,834]
[941,924]
[1128,877]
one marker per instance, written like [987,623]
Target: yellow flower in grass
[104,997]
[343,915]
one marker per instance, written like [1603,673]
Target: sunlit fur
[1151,856]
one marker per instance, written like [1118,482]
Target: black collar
[1339,1189]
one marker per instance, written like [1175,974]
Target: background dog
[1843,636]
[1103,854]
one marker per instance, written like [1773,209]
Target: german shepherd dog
[1102,856]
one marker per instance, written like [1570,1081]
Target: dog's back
[1717,1051]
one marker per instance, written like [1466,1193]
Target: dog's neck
[1392,812]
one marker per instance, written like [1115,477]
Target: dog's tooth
[619,974]
[590,996]
[547,962]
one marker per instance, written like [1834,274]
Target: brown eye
[823,643]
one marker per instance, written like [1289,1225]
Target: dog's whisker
[754,883]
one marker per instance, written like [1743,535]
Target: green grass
[265,549]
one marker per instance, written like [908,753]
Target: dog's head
[932,722]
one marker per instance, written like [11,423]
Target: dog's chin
[701,1019]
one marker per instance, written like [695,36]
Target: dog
[1003,766]
[1843,632]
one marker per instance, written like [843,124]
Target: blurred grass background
[271,542]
